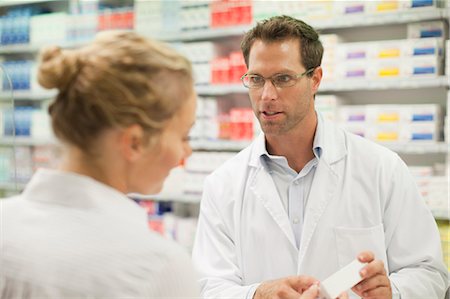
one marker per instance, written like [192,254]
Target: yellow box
[391,117]
[387,136]
[389,53]
[389,72]
[387,6]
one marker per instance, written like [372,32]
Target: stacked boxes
[206,125]
[49,28]
[393,123]
[209,68]
[27,122]
[201,54]
[228,69]
[195,15]
[163,218]
[328,106]
[390,59]
[230,13]
[115,18]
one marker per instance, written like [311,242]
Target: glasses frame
[296,76]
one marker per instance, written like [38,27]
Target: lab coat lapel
[325,184]
[322,192]
[263,188]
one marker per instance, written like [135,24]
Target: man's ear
[132,142]
[316,79]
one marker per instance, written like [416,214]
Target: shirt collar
[77,191]
[261,149]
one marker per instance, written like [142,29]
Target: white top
[69,236]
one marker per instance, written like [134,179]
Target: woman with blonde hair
[124,108]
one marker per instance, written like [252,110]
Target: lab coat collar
[55,187]
[328,138]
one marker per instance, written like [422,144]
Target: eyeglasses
[278,80]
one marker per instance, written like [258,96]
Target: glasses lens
[253,81]
[283,80]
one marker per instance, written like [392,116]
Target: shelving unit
[423,14]
[25,141]
[362,91]
[27,95]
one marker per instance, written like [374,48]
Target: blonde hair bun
[57,67]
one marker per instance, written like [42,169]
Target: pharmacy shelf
[386,18]
[10,186]
[206,34]
[401,148]
[24,141]
[441,214]
[34,48]
[19,48]
[186,198]
[395,17]
[419,148]
[384,84]
[27,95]
[224,89]
[341,85]
[220,89]
[6,3]
[219,145]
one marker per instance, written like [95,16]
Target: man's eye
[282,78]
[255,79]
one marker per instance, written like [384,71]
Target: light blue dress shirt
[293,188]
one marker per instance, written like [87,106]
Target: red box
[237,66]
[220,70]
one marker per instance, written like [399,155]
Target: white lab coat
[362,198]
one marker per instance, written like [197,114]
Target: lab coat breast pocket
[351,241]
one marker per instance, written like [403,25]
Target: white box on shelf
[357,69]
[389,68]
[352,114]
[202,73]
[387,49]
[48,28]
[353,51]
[350,8]
[424,47]
[426,29]
[421,132]
[385,133]
[423,66]
[425,113]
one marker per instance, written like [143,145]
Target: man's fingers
[372,269]
[286,292]
[302,282]
[371,283]
[344,295]
[366,256]
[381,292]
[311,293]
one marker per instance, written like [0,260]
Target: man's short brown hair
[282,28]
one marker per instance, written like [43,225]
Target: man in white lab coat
[306,198]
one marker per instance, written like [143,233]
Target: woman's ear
[132,142]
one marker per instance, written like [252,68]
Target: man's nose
[269,91]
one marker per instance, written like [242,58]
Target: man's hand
[375,284]
[285,288]
[313,292]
